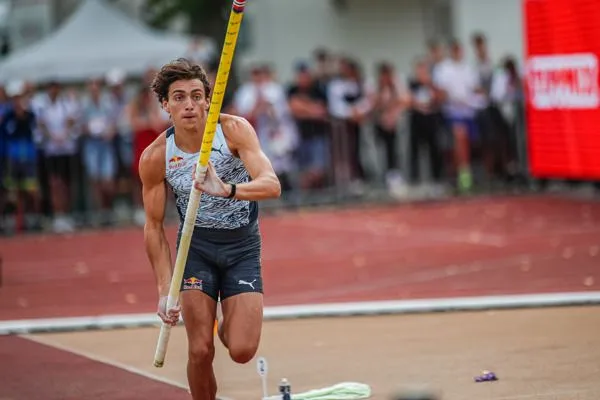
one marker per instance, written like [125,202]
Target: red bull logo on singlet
[176,162]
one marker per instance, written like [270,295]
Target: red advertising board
[563,96]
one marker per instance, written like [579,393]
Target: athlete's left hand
[212,184]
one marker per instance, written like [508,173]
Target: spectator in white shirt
[119,98]
[99,152]
[459,87]
[57,124]
[492,134]
[263,102]
[349,104]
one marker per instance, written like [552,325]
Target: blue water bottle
[285,390]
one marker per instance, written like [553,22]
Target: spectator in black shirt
[424,122]
[17,128]
[308,105]
[389,99]
[324,69]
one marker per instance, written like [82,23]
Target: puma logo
[218,150]
[251,284]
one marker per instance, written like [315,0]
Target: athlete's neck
[189,140]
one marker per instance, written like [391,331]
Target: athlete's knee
[201,351]
[243,352]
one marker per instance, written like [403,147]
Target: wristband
[232,194]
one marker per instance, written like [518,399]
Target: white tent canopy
[94,40]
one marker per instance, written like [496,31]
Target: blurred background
[353,101]
[476,120]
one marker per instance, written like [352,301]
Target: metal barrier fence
[66,199]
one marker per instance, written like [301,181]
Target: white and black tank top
[214,213]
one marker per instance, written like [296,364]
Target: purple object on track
[486,376]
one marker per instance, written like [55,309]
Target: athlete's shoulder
[156,149]
[235,127]
[231,122]
[152,160]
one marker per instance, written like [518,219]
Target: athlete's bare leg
[198,312]
[241,327]
[461,137]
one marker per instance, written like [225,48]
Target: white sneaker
[396,185]
[438,190]
[62,224]
[357,188]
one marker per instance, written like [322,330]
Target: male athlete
[224,258]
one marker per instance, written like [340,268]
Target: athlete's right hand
[170,316]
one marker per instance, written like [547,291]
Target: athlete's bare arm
[152,175]
[243,142]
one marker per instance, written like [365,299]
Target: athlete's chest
[180,168]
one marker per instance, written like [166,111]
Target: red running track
[37,372]
[486,246]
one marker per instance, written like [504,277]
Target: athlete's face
[187,103]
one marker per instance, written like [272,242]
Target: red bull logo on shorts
[192,283]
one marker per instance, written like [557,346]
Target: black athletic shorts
[223,262]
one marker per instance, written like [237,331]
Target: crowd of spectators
[70,153]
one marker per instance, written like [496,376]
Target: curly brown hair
[180,69]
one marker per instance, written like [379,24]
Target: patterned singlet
[214,212]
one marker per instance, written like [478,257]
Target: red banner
[563,95]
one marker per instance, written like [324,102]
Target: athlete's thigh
[199,294]
[199,312]
[242,295]
[201,274]
[240,267]
[242,322]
